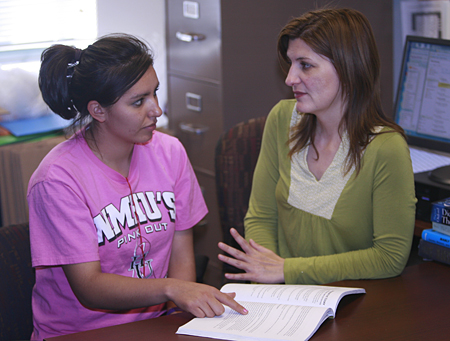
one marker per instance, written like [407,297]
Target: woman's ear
[97,112]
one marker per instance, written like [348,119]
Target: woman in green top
[333,190]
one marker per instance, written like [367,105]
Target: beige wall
[144,19]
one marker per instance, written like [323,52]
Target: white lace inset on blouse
[318,197]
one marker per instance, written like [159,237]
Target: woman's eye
[155,92]
[138,103]
[306,65]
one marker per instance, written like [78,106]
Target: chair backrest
[235,159]
[16,283]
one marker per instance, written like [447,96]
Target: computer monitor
[422,106]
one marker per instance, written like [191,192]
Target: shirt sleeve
[261,220]
[61,227]
[393,215]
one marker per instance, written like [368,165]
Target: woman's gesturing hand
[259,263]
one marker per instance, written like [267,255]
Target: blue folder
[43,124]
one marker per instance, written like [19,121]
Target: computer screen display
[422,106]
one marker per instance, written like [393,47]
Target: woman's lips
[151,126]
[299,94]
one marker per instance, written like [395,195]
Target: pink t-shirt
[81,210]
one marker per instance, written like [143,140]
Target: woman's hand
[202,300]
[198,299]
[259,263]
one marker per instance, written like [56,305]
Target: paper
[263,322]
[275,312]
[423,161]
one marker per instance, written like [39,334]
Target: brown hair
[345,37]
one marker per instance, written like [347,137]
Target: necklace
[141,244]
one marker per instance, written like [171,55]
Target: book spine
[442,228]
[434,252]
[436,237]
[440,213]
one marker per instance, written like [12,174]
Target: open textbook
[275,312]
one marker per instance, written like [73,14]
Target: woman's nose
[154,109]
[292,77]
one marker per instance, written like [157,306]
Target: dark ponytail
[55,77]
[70,78]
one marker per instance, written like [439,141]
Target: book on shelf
[431,251]
[442,228]
[440,211]
[436,237]
[275,312]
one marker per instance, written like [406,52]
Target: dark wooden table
[420,226]
[412,306]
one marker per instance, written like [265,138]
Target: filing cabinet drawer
[195,115]
[193,34]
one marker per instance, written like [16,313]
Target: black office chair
[235,159]
[16,284]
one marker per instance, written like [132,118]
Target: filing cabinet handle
[192,128]
[190,37]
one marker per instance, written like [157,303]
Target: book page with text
[263,322]
[311,295]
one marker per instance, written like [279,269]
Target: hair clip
[71,69]
[72,107]
[70,65]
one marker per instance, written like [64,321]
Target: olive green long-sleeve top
[340,227]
